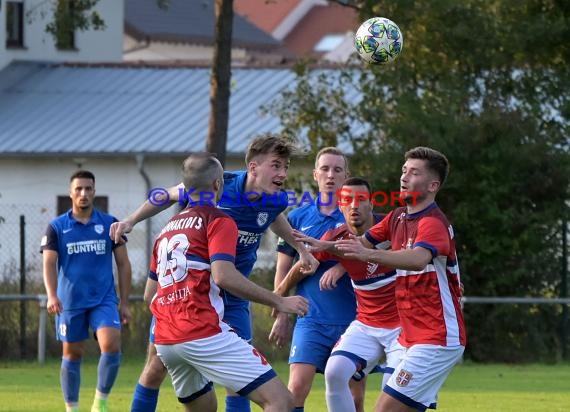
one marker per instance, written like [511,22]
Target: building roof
[318,22]
[57,109]
[266,15]
[189,21]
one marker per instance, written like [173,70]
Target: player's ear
[217,185]
[251,168]
[434,186]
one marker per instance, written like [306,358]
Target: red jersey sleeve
[153,260]
[222,239]
[434,236]
[380,232]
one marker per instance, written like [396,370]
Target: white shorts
[366,346]
[419,376]
[224,358]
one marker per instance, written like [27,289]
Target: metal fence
[23,225]
[467,300]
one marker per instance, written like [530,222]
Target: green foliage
[485,82]
[323,112]
[513,333]
[68,16]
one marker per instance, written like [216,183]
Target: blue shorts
[238,317]
[73,325]
[312,343]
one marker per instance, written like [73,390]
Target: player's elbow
[222,279]
[419,262]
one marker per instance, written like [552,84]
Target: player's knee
[283,402]
[338,371]
[299,391]
[153,373]
[334,379]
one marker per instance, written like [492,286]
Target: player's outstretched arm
[144,211]
[294,276]
[150,290]
[406,259]
[280,332]
[314,245]
[283,229]
[227,277]
[124,277]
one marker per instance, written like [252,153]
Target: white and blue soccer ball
[379,41]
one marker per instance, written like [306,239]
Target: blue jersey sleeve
[49,240]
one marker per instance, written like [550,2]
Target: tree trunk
[220,81]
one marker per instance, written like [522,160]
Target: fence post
[23,305]
[42,328]
[564,290]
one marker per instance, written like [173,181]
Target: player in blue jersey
[331,311]
[78,277]
[267,161]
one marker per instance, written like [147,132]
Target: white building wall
[91,45]
[35,183]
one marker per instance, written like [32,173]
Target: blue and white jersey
[252,219]
[84,259]
[330,307]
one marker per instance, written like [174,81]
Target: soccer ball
[379,40]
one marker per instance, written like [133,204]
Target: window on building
[329,42]
[14,24]
[100,203]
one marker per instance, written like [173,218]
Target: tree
[221,80]
[486,83]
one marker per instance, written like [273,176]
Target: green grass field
[27,386]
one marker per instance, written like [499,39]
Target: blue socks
[299,409]
[144,399]
[107,371]
[237,404]
[70,379]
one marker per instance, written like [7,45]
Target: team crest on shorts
[403,378]
[371,267]
[99,229]
[262,218]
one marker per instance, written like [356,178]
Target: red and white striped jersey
[374,286]
[428,300]
[188,305]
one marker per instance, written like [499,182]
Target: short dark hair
[270,144]
[357,181]
[436,161]
[82,174]
[199,170]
